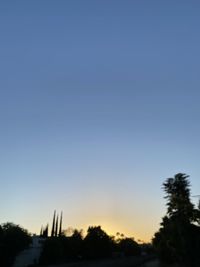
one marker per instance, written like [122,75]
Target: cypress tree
[60,229]
[56,227]
[53,225]
[41,231]
[45,232]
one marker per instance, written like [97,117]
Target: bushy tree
[13,239]
[129,247]
[97,244]
[75,244]
[62,248]
[52,252]
[177,191]
[178,239]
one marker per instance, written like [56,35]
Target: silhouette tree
[13,239]
[178,195]
[41,231]
[53,225]
[60,228]
[45,231]
[178,239]
[73,245]
[97,244]
[52,251]
[56,227]
[129,247]
[62,249]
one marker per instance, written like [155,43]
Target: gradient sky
[99,104]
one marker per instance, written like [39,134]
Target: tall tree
[178,238]
[41,231]
[56,227]
[45,231]
[177,191]
[53,225]
[60,228]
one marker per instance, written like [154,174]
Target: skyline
[99,104]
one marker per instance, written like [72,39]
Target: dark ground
[122,262]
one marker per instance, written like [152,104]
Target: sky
[99,104]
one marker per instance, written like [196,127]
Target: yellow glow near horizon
[139,231]
[139,221]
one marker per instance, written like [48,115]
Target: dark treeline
[97,244]
[13,239]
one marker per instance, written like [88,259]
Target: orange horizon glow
[111,228]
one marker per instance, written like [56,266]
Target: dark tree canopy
[178,239]
[97,243]
[177,191]
[129,247]
[13,239]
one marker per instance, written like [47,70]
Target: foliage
[97,244]
[177,191]
[178,239]
[62,248]
[52,251]
[13,239]
[129,247]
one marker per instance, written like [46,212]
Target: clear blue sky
[99,103]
